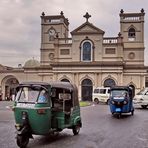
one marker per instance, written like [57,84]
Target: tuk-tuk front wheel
[22,140]
[76,129]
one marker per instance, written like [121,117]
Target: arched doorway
[86,90]
[109,83]
[9,85]
[65,80]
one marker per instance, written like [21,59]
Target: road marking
[142,139]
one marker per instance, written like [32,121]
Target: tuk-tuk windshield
[119,93]
[31,95]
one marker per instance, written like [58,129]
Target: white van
[101,94]
[141,98]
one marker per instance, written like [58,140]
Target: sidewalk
[5,104]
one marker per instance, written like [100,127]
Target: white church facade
[87,58]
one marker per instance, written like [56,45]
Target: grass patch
[84,103]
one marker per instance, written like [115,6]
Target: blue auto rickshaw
[121,100]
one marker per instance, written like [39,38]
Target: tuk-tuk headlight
[18,126]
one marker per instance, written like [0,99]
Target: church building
[86,58]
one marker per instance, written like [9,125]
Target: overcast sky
[20,23]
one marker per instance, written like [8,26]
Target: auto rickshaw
[121,100]
[44,108]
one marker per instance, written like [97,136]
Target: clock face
[52,32]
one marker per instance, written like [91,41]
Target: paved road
[100,130]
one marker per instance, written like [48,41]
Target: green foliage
[84,103]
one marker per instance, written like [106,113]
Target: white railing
[110,40]
[137,18]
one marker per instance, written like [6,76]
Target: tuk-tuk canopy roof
[128,88]
[57,84]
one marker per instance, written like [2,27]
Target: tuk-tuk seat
[57,106]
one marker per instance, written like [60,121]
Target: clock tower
[53,27]
[132,31]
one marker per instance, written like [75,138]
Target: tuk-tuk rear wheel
[76,129]
[22,140]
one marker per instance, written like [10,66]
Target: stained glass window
[86,51]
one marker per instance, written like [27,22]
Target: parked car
[141,98]
[101,94]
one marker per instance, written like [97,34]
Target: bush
[84,103]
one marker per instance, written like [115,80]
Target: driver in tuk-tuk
[125,94]
[43,96]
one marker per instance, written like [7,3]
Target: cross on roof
[87,16]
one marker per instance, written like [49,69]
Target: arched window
[65,80]
[131,34]
[109,83]
[86,51]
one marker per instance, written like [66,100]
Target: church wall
[96,78]
[136,80]
[139,55]
[21,77]
[64,57]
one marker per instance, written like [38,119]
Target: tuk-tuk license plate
[118,109]
[25,105]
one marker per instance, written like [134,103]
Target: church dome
[31,63]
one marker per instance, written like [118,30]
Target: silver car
[141,98]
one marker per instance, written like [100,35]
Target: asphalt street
[100,130]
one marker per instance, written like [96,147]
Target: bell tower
[132,31]
[52,28]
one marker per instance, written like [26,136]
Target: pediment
[87,28]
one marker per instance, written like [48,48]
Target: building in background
[87,58]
